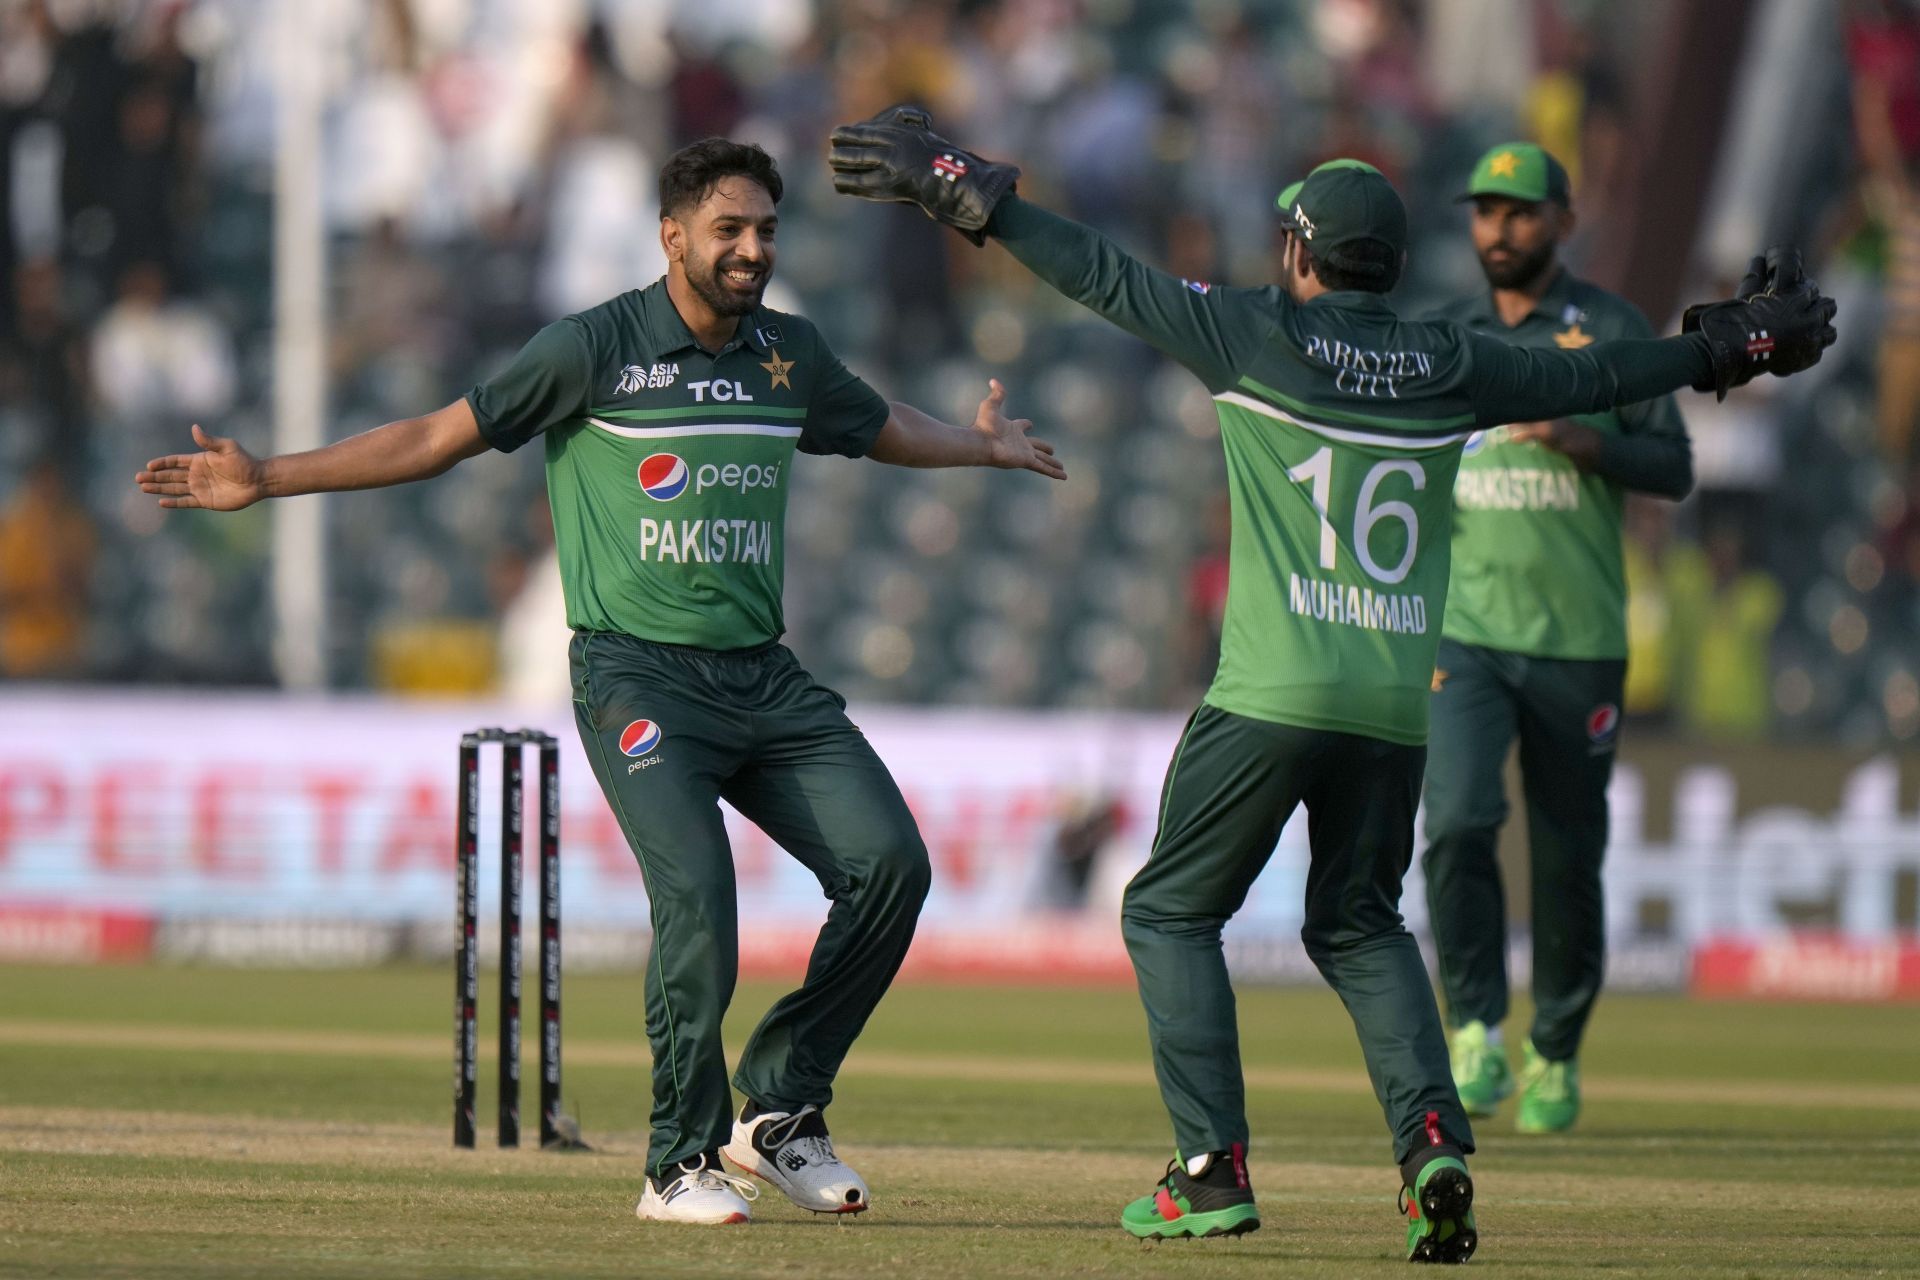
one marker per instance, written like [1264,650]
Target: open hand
[1013,448]
[224,477]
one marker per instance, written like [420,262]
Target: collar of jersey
[670,333]
[1351,300]
[1549,306]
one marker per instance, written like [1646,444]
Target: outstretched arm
[225,477]
[911,438]
[895,157]
[1193,322]
[1776,322]
[1525,384]
[545,384]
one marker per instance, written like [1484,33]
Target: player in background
[670,417]
[1535,648]
[1343,428]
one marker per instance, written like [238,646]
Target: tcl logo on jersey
[717,389]
[736,477]
[663,476]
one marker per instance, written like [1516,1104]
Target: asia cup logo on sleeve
[663,476]
[640,739]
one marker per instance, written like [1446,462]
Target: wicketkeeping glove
[1751,286]
[1776,322]
[896,157]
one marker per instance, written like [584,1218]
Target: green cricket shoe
[1436,1195]
[1480,1070]
[1549,1094]
[1217,1201]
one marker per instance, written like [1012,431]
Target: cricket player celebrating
[671,416]
[1343,428]
[1534,646]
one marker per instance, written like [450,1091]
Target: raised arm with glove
[1777,322]
[897,158]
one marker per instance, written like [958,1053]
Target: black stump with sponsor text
[557,1131]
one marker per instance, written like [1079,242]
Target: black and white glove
[896,157]
[1776,323]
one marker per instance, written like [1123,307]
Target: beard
[722,297]
[1518,271]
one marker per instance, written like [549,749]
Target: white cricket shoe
[794,1153]
[699,1191]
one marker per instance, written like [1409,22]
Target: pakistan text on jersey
[1369,373]
[1362,607]
[707,541]
[1517,489]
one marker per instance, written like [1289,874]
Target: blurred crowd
[489,165]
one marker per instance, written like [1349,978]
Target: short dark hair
[1362,266]
[691,173]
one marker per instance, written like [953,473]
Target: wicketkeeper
[1343,427]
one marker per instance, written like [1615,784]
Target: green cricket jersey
[1536,541]
[667,464]
[1343,427]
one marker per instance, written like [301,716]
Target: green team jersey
[1536,541]
[1343,427]
[667,464]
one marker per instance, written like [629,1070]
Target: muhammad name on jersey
[1370,610]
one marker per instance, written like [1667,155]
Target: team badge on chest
[780,371]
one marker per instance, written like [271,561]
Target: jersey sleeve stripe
[698,429]
[1408,441]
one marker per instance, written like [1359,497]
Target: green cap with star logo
[1520,171]
[1291,192]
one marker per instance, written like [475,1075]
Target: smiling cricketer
[670,418]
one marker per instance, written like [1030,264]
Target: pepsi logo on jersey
[663,476]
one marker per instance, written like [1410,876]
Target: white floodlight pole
[299,344]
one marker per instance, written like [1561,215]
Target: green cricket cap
[1520,171]
[1353,219]
[1291,192]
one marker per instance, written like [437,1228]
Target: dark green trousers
[672,731]
[1566,717]
[1232,785]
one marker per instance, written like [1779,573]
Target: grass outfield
[170,1122]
